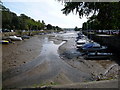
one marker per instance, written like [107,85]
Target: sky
[47,10]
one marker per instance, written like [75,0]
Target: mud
[51,58]
[20,52]
[69,53]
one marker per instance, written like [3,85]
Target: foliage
[50,27]
[103,15]
[47,84]
[13,22]
[77,29]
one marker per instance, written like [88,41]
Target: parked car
[115,32]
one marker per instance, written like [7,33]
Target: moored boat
[25,37]
[97,55]
[15,38]
[92,46]
[4,42]
[81,42]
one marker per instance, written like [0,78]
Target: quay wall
[112,42]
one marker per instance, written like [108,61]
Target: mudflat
[20,52]
[51,59]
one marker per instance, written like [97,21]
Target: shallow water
[68,35]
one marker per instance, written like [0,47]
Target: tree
[108,13]
[43,22]
[76,28]
[11,21]
[49,26]
[83,8]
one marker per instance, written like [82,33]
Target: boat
[81,42]
[93,46]
[4,42]
[97,55]
[25,37]
[15,38]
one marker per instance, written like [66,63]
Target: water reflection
[49,47]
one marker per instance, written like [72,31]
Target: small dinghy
[4,42]
[97,55]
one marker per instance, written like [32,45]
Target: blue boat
[92,46]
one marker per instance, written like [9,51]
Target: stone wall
[113,42]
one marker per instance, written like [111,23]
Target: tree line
[13,22]
[101,15]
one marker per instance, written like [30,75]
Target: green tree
[11,21]
[49,26]
[76,28]
[108,13]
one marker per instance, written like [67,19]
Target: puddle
[71,54]
[50,47]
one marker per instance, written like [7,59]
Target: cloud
[47,10]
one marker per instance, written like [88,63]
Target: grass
[44,84]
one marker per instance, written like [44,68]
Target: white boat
[81,42]
[15,38]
